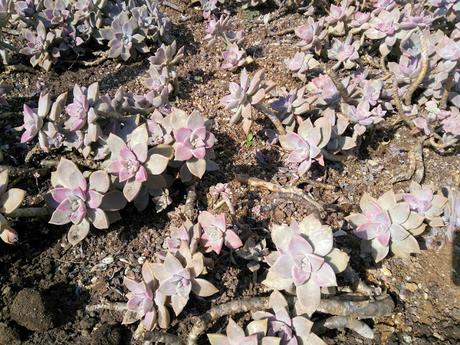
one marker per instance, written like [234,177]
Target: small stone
[407,338]
[8,335]
[411,287]
[107,335]
[386,272]
[29,311]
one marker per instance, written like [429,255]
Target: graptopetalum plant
[59,30]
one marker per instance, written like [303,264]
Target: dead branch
[423,70]
[19,68]
[359,309]
[30,212]
[258,183]
[272,117]
[106,306]
[230,308]
[189,207]
[154,337]
[416,168]
[351,309]
[445,95]
[339,322]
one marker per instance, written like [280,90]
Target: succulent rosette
[305,261]
[133,163]
[178,277]
[82,202]
[10,200]
[424,201]
[215,232]
[145,302]
[387,224]
[305,146]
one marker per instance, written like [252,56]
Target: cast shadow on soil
[374,139]
[63,301]
[188,82]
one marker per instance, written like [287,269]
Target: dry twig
[423,70]
[272,117]
[258,183]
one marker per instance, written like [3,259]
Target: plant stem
[258,183]
[30,212]
[423,70]
[272,117]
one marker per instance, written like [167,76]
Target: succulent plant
[362,116]
[235,336]
[178,277]
[215,232]
[38,46]
[187,233]
[220,190]
[122,37]
[132,161]
[145,302]
[290,105]
[324,88]
[10,200]
[243,96]
[339,123]
[452,213]
[34,121]
[280,325]
[82,202]
[192,141]
[304,262]
[425,202]
[345,52]
[220,29]
[311,35]
[386,223]
[300,63]
[305,146]
[234,57]
[166,56]
[385,26]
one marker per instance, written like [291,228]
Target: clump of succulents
[10,200]
[56,29]
[386,223]
[233,55]
[304,262]
[83,202]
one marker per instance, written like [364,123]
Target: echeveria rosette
[82,202]
[305,261]
[38,44]
[145,302]
[192,143]
[362,116]
[386,223]
[178,277]
[234,57]
[385,26]
[122,37]
[10,200]
[345,53]
[311,35]
[324,89]
[187,233]
[35,124]
[305,146]
[243,96]
[132,161]
[280,325]
[425,202]
[290,105]
[235,335]
[215,233]
[82,104]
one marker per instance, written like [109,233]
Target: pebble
[29,311]
[407,338]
